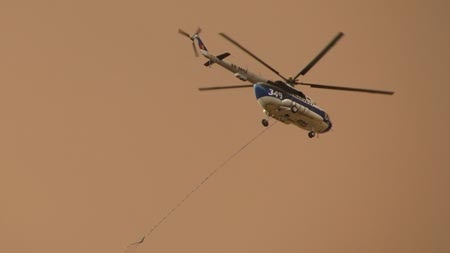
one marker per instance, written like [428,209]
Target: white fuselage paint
[303,118]
[239,72]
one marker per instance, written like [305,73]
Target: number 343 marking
[275,93]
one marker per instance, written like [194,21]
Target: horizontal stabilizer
[220,57]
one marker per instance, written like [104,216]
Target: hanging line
[134,245]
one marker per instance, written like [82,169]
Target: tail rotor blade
[191,38]
[184,33]
[195,49]
[199,30]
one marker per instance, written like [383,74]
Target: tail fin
[202,46]
[195,38]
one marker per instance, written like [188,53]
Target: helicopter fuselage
[290,107]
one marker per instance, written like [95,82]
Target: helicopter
[279,99]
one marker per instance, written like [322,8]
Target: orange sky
[103,130]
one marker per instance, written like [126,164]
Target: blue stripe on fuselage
[263,89]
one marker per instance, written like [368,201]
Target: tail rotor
[199,30]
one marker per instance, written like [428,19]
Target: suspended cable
[133,246]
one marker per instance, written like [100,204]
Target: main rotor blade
[252,55]
[199,30]
[331,87]
[320,55]
[225,87]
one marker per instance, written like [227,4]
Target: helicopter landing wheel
[265,123]
[294,109]
[311,134]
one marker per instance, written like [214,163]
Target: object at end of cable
[134,245]
[138,242]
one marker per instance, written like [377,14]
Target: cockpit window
[289,88]
[300,94]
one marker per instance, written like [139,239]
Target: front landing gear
[265,123]
[311,134]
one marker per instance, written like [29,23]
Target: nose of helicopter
[260,90]
[330,125]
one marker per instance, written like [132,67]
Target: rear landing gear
[311,134]
[265,123]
